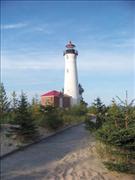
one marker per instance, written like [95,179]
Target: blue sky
[34,35]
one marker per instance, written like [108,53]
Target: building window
[48,101]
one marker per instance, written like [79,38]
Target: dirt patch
[84,165]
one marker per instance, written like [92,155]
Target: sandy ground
[8,144]
[84,165]
[79,165]
[70,155]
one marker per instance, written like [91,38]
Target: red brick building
[56,98]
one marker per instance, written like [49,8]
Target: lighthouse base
[74,101]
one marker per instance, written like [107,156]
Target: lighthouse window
[67,70]
[67,56]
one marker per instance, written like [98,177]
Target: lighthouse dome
[70,49]
[70,45]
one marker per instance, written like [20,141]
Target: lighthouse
[71,87]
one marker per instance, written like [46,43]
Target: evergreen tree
[4,103]
[127,109]
[117,136]
[14,105]
[81,90]
[98,109]
[27,129]
[14,101]
[115,115]
[35,109]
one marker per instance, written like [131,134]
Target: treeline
[115,132]
[27,118]
[113,126]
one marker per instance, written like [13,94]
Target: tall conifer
[27,129]
[4,103]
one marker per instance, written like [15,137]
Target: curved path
[36,161]
[69,155]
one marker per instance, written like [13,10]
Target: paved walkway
[35,162]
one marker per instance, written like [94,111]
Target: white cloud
[105,62]
[27,63]
[86,62]
[13,26]
[43,29]
[116,39]
[125,43]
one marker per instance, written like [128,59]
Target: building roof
[52,93]
[55,93]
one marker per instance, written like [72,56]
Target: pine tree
[100,112]
[14,105]
[117,136]
[27,129]
[81,90]
[14,101]
[99,105]
[127,108]
[4,103]
[35,108]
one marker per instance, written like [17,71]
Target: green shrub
[68,119]
[121,167]
[74,114]
[98,109]
[121,137]
[78,110]
[115,131]
[90,125]
[51,119]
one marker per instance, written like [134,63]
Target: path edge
[38,141]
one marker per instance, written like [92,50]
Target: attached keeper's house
[56,98]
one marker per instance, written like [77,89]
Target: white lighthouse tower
[71,78]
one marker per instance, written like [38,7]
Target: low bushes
[120,167]
[54,118]
[116,136]
[75,114]
[119,145]
[51,118]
